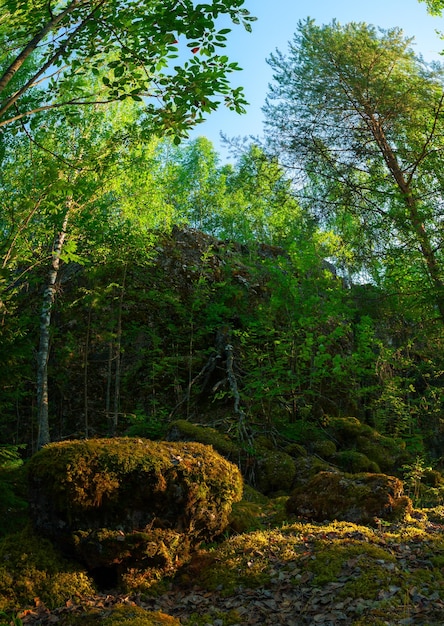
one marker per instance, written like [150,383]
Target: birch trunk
[118,355]
[43,436]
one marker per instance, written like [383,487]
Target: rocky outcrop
[131,502]
[359,498]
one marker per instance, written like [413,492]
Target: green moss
[131,503]
[127,615]
[245,516]
[181,430]
[351,435]
[232,564]
[331,558]
[434,514]
[30,567]
[107,475]
[389,453]
[347,429]
[359,498]
[275,471]
[325,448]
[296,450]
[355,462]
[433,478]
[252,495]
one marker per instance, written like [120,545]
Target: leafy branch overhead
[50,50]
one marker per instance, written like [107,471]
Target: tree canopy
[161,53]
[357,116]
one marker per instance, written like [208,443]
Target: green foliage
[423,484]
[13,489]
[149,426]
[434,7]
[10,457]
[11,620]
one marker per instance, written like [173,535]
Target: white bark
[45,323]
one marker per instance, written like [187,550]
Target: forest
[285,310]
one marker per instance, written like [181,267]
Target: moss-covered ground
[268,568]
[276,572]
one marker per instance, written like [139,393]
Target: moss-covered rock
[358,498]
[31,567]
[355,462]
[296,450]
[387,453]
[131,502]
[324,448]
[275,471]
[345,430]
[182,430]
[117,615]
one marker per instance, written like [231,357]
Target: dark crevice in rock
[105,578]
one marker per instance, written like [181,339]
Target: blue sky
[274,28]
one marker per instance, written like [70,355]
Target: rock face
[359,498]
[131,502]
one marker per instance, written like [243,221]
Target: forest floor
[296,575]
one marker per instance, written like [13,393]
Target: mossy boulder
[355,462]
[387,453]
[296,450]
[131,502]
[324,448]
[359,498]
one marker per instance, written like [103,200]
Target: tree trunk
[45,323]
[422,237]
